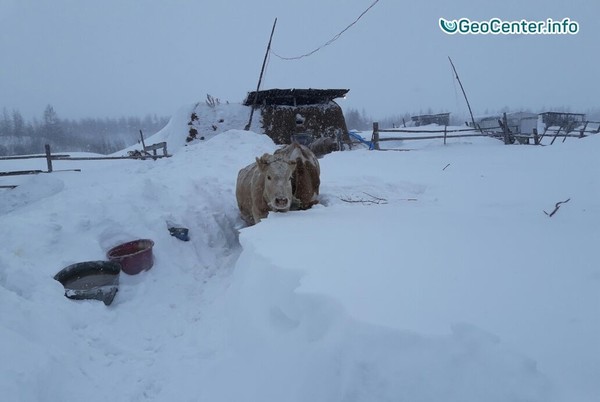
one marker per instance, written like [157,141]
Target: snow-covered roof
[294,96]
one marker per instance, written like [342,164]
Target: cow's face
[277,175]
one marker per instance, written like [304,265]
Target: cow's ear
[262,162]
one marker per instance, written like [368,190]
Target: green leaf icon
[448,27]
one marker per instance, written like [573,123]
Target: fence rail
[8,158]
[398,130]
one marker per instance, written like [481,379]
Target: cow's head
[277,175]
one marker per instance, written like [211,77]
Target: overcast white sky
[124,57]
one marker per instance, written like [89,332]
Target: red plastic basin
[134,257]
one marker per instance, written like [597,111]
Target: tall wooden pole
[262,70]
[463,91]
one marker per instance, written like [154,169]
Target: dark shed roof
[294,97]
[429,116]
[562,114]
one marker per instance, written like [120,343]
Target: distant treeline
[103,136]
[356,120]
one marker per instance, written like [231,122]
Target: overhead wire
[330,41]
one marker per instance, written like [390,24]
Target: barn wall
[280,122]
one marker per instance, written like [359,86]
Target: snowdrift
[454,286]
[208,119]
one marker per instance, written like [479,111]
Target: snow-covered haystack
[426,275]
[202,121]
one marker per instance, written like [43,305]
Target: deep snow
[457,287]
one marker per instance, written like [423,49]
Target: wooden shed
[561,119]
[286,112]
[442,119]
[518,122]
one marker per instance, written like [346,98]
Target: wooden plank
[462,130]
[565,136]
[142,136]
[160,145]
[107,158]
[582,131]
[543,134]
[433,137]
[20,172]
[95,158]
[7,158]
[555,135]
[64,170]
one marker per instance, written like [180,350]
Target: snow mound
[208,120]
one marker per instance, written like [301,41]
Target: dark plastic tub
[134,257]
[97,280]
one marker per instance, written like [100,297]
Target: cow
[323,146]
[264,186]
[306,178]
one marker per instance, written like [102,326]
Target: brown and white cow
[306,178]
[264,186]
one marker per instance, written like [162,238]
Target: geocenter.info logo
[496,26]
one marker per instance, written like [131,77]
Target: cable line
[330,41]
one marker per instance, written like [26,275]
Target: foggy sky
[133,57]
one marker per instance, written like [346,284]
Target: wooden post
[582,132]
[543,134]
[143,144]
[555,135]
[262,70]
[463,91]
[375,137]
[568,129]
[536,138]
[404,122]
[505,129]
[48,157]
[445,133]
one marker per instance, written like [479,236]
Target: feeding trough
[134,257]
[97,280]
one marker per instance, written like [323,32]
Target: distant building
[564,120]
[488,122]
[518,122]
[442,119]
[522,122]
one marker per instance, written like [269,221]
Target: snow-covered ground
[426,275]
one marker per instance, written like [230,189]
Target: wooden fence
[500,132]
[65,157]
[441,134]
